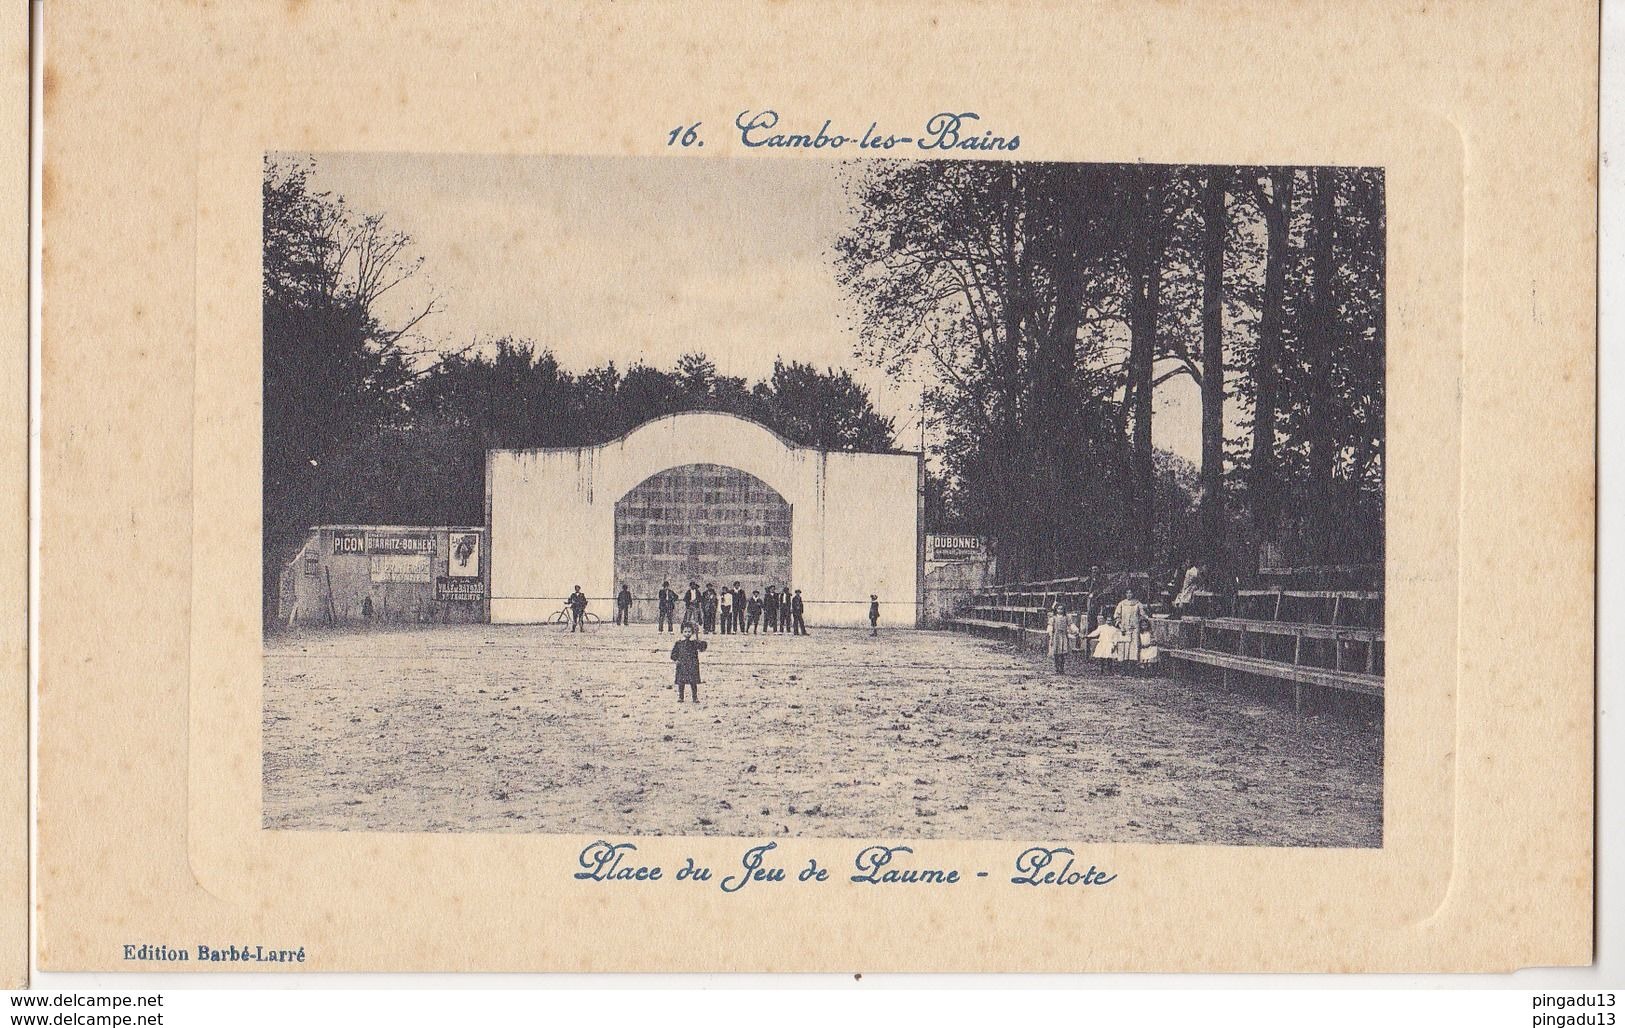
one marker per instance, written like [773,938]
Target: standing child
[754,612]
[874,614]
[623,606]
[686,652]
[1058,642]
[1105,635]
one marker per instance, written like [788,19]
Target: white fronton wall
[855,517]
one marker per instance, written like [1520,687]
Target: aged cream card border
[150,680]
[14,444]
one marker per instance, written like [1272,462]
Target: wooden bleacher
[1022,608]
[1329,638]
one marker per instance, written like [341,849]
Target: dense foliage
[1042,305]
[1046,304]
[369,422]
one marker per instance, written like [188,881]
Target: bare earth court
[493,728]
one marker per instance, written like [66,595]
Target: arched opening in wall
[704,523]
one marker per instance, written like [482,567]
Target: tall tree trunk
[1060,370]
[1320,337]
[1263,481]
[1012,447]
[1145,274]
[1215,225]
[1070,189]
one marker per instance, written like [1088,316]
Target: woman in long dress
[1131,617]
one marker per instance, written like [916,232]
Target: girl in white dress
[1105,636]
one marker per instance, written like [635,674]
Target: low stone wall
[950,587]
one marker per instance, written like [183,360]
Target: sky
[643,258]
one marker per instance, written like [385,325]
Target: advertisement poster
[464,559]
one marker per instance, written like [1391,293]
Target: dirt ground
[915,734]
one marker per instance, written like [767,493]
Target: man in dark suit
[739,608]
[708,606]
[691,604]
[797,624]
[770,610]
[668,608]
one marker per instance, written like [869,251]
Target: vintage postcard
[1031,511]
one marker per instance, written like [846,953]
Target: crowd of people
[1118,633]
[728,610]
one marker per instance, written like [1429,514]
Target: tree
[1274,205]
[998,282]
[430,464]
[333,370]
[1044,305]
[1361,364]
[1215,228]
[1146,231]
[1332,365]
[1318,341]
[827,409]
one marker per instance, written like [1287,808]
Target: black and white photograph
[789,496]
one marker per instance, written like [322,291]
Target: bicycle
[562,617]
